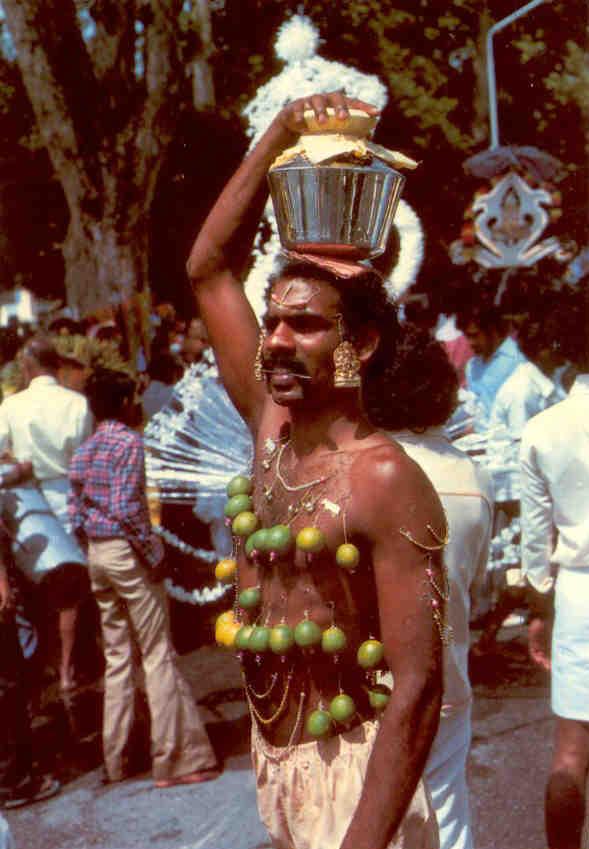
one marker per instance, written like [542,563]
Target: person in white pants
[465,491]
[555,562]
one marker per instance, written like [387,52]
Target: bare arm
[221,249]
[397,496]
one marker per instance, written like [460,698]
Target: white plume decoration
[297,40]
[306,73]
[411,243]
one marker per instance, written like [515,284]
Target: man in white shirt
[496,356]
[555,498]
[44,424]
[532,387]
[466,493]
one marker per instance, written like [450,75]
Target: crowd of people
[360,537]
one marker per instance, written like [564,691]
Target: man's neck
[34,375]
[314,430]
[489,356]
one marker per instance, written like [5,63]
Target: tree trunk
[107,128]
[203,90]
[103,267]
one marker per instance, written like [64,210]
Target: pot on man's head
[335,192]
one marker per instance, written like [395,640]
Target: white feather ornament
[297,40]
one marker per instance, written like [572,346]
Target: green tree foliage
[430,53]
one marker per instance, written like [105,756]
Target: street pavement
[512,738]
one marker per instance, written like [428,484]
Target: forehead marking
[294,300]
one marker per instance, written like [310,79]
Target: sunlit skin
[301,323]
[373,488]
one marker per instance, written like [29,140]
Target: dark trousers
[15,724]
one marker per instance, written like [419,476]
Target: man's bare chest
[311,497]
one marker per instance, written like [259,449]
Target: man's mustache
[294,367]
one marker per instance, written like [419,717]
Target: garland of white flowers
[199,553]
[207,595]
[307,73]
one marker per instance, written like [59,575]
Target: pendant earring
[347,362]
[258,370]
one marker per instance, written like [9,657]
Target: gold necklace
[307,502]
[299,487]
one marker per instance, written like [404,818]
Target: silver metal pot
[342,209]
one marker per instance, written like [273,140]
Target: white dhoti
[445,775]
[307,795]
[570,645]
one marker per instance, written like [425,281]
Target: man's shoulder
[382,458]
[555,419]
[126,439]
[70,395]
[555,434]
[389,489]
[13,401]
[121,434]
[384,472]
[510,348]
[83,451]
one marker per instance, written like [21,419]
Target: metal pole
[491,83]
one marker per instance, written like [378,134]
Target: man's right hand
[539,636]
[291,118]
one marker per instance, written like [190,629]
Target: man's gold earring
[347,362]
[258,370]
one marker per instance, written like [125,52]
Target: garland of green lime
[268,544]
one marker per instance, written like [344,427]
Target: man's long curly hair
[409,381]
[424,383]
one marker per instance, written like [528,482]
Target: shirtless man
[321,464]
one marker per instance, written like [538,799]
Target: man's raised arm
[221,250]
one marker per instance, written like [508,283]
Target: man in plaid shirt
[108,510]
